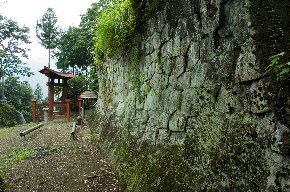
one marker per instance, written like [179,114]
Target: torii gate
[54,79]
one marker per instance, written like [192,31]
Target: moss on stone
[224,154]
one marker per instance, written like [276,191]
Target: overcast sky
[27,12]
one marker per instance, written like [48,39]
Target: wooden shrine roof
[56,75]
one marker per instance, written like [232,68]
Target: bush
[8,115]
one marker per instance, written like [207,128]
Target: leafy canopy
[74,49]
[12,50]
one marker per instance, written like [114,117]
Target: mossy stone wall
[186,107]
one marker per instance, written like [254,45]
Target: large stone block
[282,139]
[151,101]
[229,101]
[178,138]
[179,66]
[199,74]
[247,68]
[178,122]
[193,56]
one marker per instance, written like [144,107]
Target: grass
[19,155]
[8,130]
[14,155]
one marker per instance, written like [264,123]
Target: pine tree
[38,93]
[47,31]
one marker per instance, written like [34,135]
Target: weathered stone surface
[163,136]
[151,101]
[246,71]
[229,101]
[196,99]
[177,122]
[177,138]
[282,138]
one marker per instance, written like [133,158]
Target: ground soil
[58,163]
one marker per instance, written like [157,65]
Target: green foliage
[19,155]
[116,23]
[278,67]
[47,31]
[38,93]
[77,85]
[12,39]
[93,79]
[8,116]
[19,94]
[76,45]
[74,49]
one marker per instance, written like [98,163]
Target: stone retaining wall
[186,107]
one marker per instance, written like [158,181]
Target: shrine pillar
[50,100]
[80,103]
[64,91]
[33,102]
[67,101]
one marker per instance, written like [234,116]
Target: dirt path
[49,160]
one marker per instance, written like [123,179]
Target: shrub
[8,115]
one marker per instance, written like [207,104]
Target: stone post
[45,114]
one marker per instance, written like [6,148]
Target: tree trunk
[49,51]
[48,57]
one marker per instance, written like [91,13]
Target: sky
[27,12]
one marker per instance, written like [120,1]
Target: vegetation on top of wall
[117,22]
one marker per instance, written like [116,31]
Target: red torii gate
[61,81]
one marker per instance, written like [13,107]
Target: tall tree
[12,50]
[75,51]
[38,93]
[47,31]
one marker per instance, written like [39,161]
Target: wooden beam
[56,84]
[30,130]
